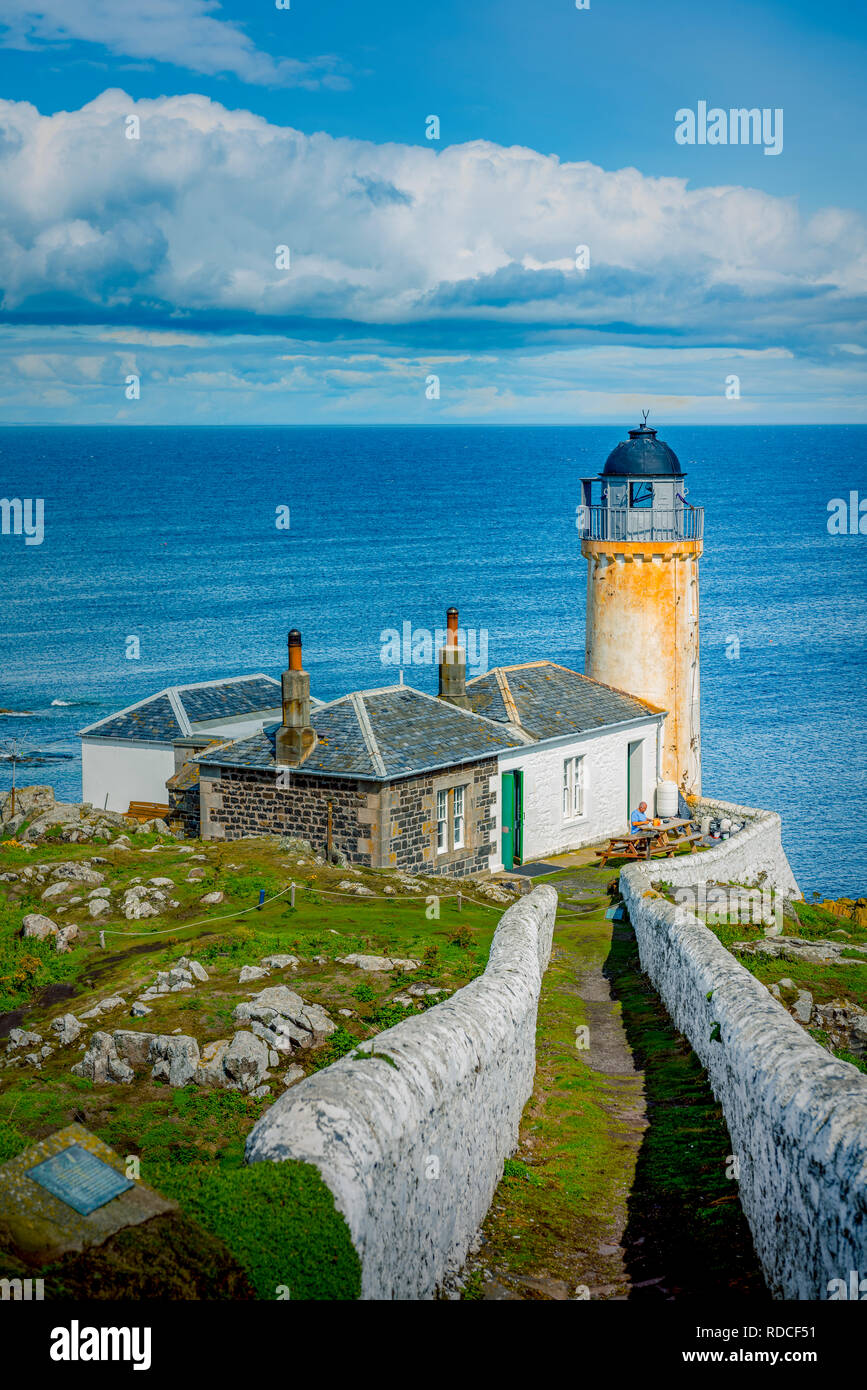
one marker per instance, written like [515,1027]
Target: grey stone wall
[244,801]
[390,825]
[797,1117]
[412,810]
[413,1148]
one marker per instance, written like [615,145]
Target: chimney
[296,739]
[453,666]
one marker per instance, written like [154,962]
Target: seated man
[639,819]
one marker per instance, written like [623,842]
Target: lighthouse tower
[642,541]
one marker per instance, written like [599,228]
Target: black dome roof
[642,455]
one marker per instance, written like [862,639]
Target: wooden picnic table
[654,839]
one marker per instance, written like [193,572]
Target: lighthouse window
[641,494]
[573,788]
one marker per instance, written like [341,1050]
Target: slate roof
[546,700]
[379,735]
[172,712]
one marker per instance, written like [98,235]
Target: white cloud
[186,220]
[186,33]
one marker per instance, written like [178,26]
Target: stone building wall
[413,1148]
[390,825]
[248,801]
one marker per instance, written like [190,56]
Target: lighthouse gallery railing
[598,523]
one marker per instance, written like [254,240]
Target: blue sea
[168,535]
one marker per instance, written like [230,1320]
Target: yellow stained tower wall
[642,636]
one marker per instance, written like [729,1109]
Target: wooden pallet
[147,810]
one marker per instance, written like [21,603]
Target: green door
[512,817]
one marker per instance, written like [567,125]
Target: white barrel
[666,799]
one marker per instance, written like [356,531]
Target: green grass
[280,1222]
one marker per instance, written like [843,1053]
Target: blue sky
[410,258]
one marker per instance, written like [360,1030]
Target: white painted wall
[125,771]
[545,829]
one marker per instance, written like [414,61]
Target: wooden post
[459,900]
[292,896]
[328,842]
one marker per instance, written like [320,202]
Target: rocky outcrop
[101,1063]
[379,963]
[175,1058]
[283,1022]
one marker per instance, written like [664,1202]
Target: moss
[278,1220]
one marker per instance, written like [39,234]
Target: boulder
[314,1017]
[175,1058]
[280,962]
[252,972]
[209,1071]
[39,927]
[195,875]
[56,890]
[293,1074]
[67,1028]
[269,1003]
[211,899]
[348,885]
[379,963]
[803,1006]
[66,937]
[161,882]
[98,893]
[29,801]
[78,870]
[135,908]
[139,1009]
[101,1063]
[19,1037]
[97,907]
[245,1062]
[198,970]
[133,1046]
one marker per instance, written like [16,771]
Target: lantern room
[639,495]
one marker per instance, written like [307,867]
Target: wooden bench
[147,810]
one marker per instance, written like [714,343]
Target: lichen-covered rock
[379,963]
[293,1074]
[56,890]
[67,1029]
[78,870]
[97,907]
[268,1003]
[252,972]
[20,1037]
[245,1061]
[66,937]
[133,1046]
[280,962]
[101,1063]
[139,1010]
[38,927]
[175,1058]
[211,899]
[209,1071]
[198,970]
